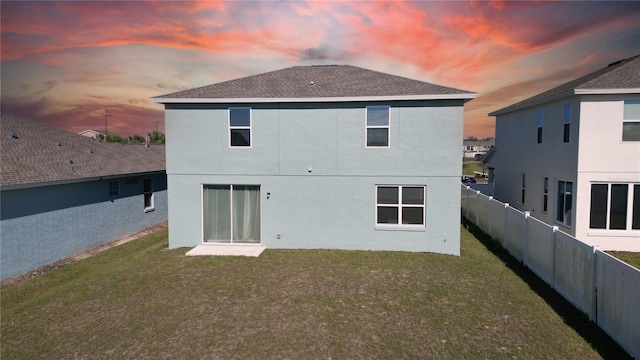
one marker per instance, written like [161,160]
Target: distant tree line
[155,137]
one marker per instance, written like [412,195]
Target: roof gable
[619,77]
[315,83]
[33,153]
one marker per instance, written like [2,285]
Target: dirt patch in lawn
[79,256]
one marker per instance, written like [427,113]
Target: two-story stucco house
[316,157]
[571,156]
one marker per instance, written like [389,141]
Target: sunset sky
[64,63]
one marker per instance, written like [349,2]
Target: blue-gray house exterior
[320,185]
[63,193]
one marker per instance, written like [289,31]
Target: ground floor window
[564,202]
[231,213]
[400,205]
[148,194]
[615,207]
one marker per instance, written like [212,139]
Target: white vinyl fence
[603,287]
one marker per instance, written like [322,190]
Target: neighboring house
[91,134]
[316,157]
[62,193]
[571,156]
[476,149]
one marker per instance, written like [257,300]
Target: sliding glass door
[231,213]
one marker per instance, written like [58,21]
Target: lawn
[142,301]
[631,258]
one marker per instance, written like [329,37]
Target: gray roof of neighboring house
[620,77]
[316,83]
[32,153]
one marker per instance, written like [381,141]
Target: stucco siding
[332,212]
[313,161]
[41,225]
[605,158]
[518,152]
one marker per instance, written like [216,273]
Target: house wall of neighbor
[605,158]
[518,152]
[311,162]
[41,225]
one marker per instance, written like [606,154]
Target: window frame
[524,188]
[540,125]
[400,206]
[632,213]
[147,193]
[367,127]
[114,188]
[630,117]
[240,127]
[560,217]
[566,127]
[545,195]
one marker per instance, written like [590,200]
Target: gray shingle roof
[33,153]
[316,82]
[623,75]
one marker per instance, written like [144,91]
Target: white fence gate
[603,287]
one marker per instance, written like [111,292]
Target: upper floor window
[631,121]
[566,137]
[610,208]
[524,186]
[240,127]
[400,205]
[378,126]
[540,125]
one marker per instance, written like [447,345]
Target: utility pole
[106,115]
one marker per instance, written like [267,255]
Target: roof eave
[459,96]
[36,184]
[607,91]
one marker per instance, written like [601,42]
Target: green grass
[631,258]
[142,301]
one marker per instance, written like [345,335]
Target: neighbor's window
[113,188]
[400,205]
[631,123]
[566,136]
[540,125]
[240,127]
[545,195]
[564,202]
[524,185]
[148,194]
[610,207]
[378,126]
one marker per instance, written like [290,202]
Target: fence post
[467,207]
[593,314]
[555,250]
[506,225]
[477,208]
[525,255]
[490,218]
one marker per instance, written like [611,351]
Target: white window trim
[366,127]
[144,194]
[250,128]
[400,205]
[563,222]
[628,121]
[545,194]
[630,194]
[231,243]
[567,121]
[539,133]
